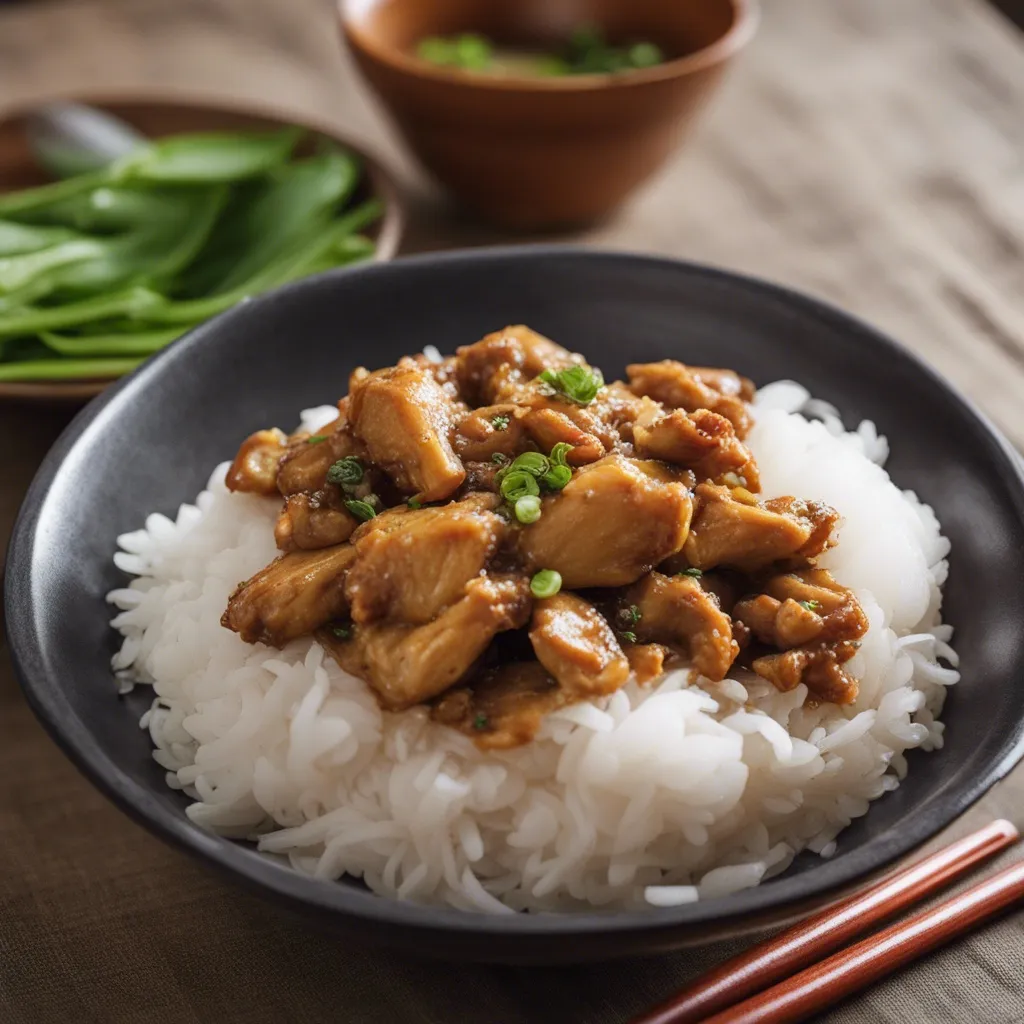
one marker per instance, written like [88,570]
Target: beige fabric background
[868,151]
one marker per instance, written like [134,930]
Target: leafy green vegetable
[66,369]
[207,157]
[362,510]
[100,270]
[346,472]
[578,384]
[17,239]
[141,343]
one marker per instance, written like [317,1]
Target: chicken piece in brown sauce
[411,565]
[255,467]
[502,707]
[614,521]
[405,420]
[294,595]
[574,642]
[413,530]
[679,612]
[732,528]
[409,664]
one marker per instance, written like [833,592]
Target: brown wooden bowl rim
[746,16]
[389,232]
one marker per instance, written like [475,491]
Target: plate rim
[739,911]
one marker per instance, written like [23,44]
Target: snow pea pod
[17,239]
[295,197]
[293,263]
[67,369]
[139,343]
[130,302]
[208,157]
[112,208]
[29,199]
[18,271]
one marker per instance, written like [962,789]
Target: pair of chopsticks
[760,987]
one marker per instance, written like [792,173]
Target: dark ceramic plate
[149,443]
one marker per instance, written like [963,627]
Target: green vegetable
[346,472]
[628,635]
[545,583]
[342,632]
[362,510]
[140,343]
[481,721]
[17,239]
[527,509]
[579,384]
[556,478]
[295,199]
[469,51]
[810,606]
[131,302]
[99,270]
[208,157]
[30,199]
[414,503]
[693,573]
[531,462]
[500,422]
[66,369]
[516,484]
[316,439]
[499,459]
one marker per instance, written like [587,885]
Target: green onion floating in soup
[585,52]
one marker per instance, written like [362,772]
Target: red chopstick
[872,958]
[809,940]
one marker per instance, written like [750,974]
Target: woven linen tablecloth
[868,151]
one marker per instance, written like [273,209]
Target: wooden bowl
[538,153]
[155,118]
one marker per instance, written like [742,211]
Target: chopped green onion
[342,632]
[414,503]
[480,722]
[557,477]
[629,636]
[499,459]
[545,583]
[346,472]
[559,453]
[500,422]
[527,509]
[810,606]
[579,384]
[361,510]
[531,462]
[692,573]
[517,484]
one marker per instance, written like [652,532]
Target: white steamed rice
[659,795]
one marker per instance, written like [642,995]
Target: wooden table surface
[868,151]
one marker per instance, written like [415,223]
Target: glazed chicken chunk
[410,565]
[294,595]
[408,664]
[677,386]
[574,642]
[615,519]
[500,533]
[255,466]
[731,527]
[679,612]
[406,420]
